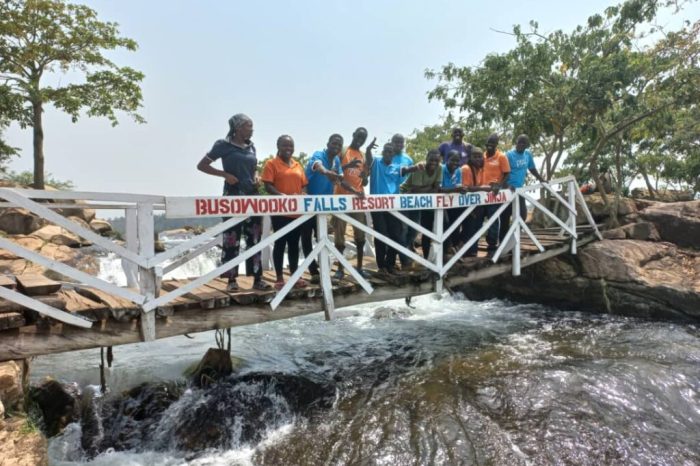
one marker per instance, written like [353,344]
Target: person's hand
[333,176]
[495,188]
[421,166]
[230,179]
[372,145]
[359,193]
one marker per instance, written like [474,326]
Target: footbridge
[77,310]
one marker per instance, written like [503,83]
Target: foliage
[617,91]
[26,178]
[42,39]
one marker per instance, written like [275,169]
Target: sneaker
[232,285]
[363,273]
[339,274]
[261,285]
[315,279]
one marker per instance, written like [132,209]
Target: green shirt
[422,179]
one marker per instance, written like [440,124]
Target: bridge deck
[25,333]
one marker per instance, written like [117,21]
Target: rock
[599,211]
[2,414]
[15,221]
[629,277]
[615,233]
[644,203]
[100,226]
[57,235]
[215,365]
[22,446]
[644,231]
[80,222]
[677,222]
[87,215]
[12,377]
[58,405]
[627,219]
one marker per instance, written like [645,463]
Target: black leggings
[290,240]
[427,219]
[308,229]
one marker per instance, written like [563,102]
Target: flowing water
[447,381]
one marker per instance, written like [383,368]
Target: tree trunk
[38,129]
[650,188]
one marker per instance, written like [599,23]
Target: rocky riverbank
[648,267]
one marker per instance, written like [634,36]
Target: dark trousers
[451,216]
[251,229]
[408,235]
[427,220]
[290,241]
[308,229]
[506,216]
[389,226]
[474,223]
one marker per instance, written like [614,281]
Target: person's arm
[330,174]
[533,169]
[270,188]
[369,158]
[204,166]
[405,170]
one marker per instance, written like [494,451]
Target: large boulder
[22,446]
[12,378]
[57,235]
[599,211]
[15,221]
[645,231]
[100,226]
[58,404]
[677,222]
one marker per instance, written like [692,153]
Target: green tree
[40,38]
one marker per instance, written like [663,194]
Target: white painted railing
[144,268]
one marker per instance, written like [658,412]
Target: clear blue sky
[307,68]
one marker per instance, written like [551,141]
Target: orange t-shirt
[288,179]
[352,176]
[495,167]
[469,180]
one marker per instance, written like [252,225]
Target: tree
[42,37]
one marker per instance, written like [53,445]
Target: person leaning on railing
[423,182]
[521,161]
[352,166]
[322,178]
[496,171]
[473,181]
[385,178]
[284,176]
[452,183]
[239,161]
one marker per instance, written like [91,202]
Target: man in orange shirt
[354,179]
[473,181]
[496,171]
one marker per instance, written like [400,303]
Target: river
[446,381]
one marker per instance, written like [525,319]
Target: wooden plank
[120,309]
[44,309]
[206,297]
[76,303]
[37,285]
[54,300]
[8,281]
[11,320]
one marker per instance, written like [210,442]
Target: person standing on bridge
[322,178]
[352,166]
[496,171]
[458,144]
[424,182]
[402,159]
[285,176]
[452,183]
[473,181]
[239,161]
[521,161]
[385,178]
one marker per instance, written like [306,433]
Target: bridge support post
[132,244]
[572,216]
[324,264]
[147,276]
[516,235]
[438,229]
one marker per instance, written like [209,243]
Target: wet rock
[15,221]
[677,222]
[57,403]
[387,312]
[215,365]
[239,410]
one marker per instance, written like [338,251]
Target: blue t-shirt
[464,150]
[451,180]
[318,183]
[403,160]
[240,162]
[384,179]
[520,163]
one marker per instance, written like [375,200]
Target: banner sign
[232,206]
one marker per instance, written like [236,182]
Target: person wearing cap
[239,162]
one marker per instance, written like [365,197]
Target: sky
[308,68]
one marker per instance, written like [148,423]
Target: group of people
[456,166]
